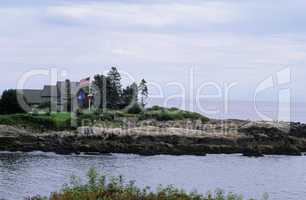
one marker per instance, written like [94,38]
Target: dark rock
[250,139]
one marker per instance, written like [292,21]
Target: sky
[198,47]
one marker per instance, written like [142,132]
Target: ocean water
[281,177]
[233,109]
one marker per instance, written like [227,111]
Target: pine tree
[114,89]
[130,95]
[100,86]
[143,89]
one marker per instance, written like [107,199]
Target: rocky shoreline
[192,138]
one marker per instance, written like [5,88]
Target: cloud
[147,15]
[223,40]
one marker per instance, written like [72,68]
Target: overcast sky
[221,41]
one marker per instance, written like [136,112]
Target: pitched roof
[49,90]
[58,90]
[32,96]
[61,87]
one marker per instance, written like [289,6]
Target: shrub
[61,120]
[98,188]
[166,114]
[155,108]
[134,109]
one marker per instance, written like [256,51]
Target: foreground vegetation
[99,188]
[63,120]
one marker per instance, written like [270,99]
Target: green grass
[98,187]
[108,118]
[53,121]
[61,120]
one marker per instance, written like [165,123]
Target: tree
[68,95]
[134,108]
[9,103]
[109,92]
[143,89]
[114,89]
[130,95]
[100,84]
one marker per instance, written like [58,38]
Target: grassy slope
[52,121]
[62,120]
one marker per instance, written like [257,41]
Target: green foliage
[130,96]
[166,114]
[111,95]
[113,89]
[99,187]
[155,108]
[99,84]
[54,121]
[87,119]
[61,120]
[143,92]
[134,109]
[9,103]
[106,118]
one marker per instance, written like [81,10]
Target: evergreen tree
[68,95]
[114,89]
[130,95]
[111,94]
[9,103]
[143,89]
[100,86]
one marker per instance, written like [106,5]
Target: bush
[27,120]
[167,114]
[98,187]
[155,108]
[134,109]
[61,120]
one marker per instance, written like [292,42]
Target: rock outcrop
[216,136]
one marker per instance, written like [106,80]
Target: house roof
[58,90]
[61,87]
[49,90]
[32,96]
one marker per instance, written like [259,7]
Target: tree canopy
[113,96]
[9,103]
[108,93]
[143,88]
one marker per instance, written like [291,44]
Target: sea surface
[281,177]
[234,109]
